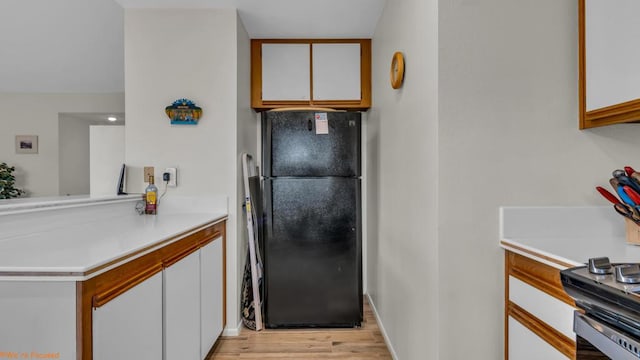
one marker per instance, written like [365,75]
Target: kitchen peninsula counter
[79,238]
[90,278]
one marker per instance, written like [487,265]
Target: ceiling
[77,46]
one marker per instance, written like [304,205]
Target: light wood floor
[349,344]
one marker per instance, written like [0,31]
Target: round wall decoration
[397,70]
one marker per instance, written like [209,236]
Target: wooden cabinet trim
[543,277]
[101,289]
[620,113]
[84,321]
[223,231]
[118,288]
[506,305]
[256,74]
[509,247]
[211,239]
[582,68]
[181,254]
[365,76]
[552,336]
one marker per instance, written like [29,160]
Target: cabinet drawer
[539,275]
[526,345]
[536,302]
[548,309]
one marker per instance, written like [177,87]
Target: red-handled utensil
[635,197]
[629,170]
[607,195]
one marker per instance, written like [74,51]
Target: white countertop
[43,203]
[566,236]
[63,243]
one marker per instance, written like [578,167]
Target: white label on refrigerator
[322,124]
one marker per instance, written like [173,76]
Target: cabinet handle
[103,297]
[310,125]
[181,255]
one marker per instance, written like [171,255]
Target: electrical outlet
[148,171]
[173,176]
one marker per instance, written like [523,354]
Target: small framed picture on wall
[26,144]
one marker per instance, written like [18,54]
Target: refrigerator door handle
[310,125]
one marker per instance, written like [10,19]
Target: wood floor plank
[361,343]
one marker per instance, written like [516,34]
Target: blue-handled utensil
[623,195]
[625,180]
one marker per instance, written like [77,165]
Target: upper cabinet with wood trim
[609,83]
[304,72]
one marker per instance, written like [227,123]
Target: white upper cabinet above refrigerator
[285,72]
[336,71]
[332,73]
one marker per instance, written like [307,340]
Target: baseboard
[382,330]
[229,331]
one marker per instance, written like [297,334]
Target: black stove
[609,296]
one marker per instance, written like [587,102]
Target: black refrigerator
[312,233]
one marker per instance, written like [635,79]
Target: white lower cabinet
[548,309]
[526,345]
[182,309]
[37,316]
[211,288]
[539,314]
[130,326]
[176,314]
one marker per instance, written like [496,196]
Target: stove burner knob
[600,265]
[628,273]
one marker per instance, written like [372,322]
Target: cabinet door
[525,345]
[182,309]
[285,72]
[38,315]
[211,295]
[547,308]
[336,71]
[130,326]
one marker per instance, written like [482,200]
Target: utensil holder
[633,232]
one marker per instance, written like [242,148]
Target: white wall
[503,131]
[37,114]
[73,169]
[508,134]
[402,163]
[74,149]
[178,53]
[107,151]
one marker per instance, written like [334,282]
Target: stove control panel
[628,273]
[600,266]
[624,277]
